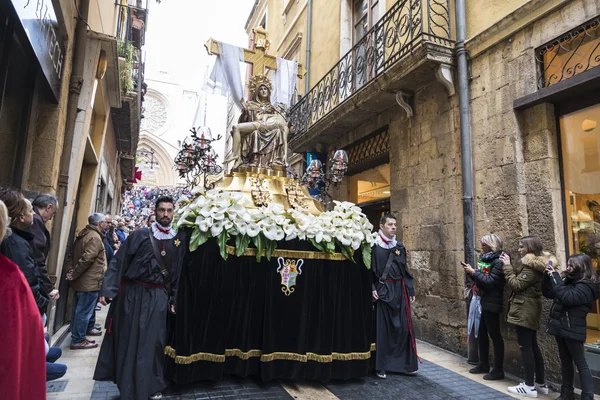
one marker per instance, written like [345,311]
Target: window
[580,140]
[365,15]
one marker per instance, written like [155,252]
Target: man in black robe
[141,284]
[393,292]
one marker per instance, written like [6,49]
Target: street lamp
[148,154]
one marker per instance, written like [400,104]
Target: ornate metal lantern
[197,160]
[314,177]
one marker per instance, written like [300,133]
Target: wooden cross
[257,57]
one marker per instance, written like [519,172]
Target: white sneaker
[542,388]
[523,390]
[380,374]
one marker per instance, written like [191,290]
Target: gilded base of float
[262,186]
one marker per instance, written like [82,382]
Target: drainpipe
[465,144]
[308,46]
[75,84]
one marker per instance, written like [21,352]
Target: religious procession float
[276,283]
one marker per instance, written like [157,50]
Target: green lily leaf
[330,247]
[259,243]
[198,239]
[222,241]
[366,254]
[241,244]
[318,246]
[348,253]
[271,245]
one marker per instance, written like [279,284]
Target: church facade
[169,113]
[385,90]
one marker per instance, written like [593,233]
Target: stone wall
[426,198]
[517,189]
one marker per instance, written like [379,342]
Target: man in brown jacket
[86,266]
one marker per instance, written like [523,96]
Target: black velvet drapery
[233,318]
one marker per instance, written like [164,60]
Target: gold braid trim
[309,255]
[245,355]
[373,347]
[169,351]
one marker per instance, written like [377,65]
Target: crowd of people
[137,270]
[26,289]
[138,205]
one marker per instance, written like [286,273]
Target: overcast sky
[178,29]
[175,37]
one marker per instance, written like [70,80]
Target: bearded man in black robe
[393,292]
[140,285]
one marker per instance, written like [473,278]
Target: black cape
[133,349]
[394,338]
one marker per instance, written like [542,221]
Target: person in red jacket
[22,354]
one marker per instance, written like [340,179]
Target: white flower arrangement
[220,214]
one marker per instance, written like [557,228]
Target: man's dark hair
[44,200]
[385,217]
[151,215]
[163,199]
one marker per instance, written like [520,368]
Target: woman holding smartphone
[489,283]
[525,309]
[574,292]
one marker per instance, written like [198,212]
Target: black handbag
[381,287]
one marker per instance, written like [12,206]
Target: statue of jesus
[260,137]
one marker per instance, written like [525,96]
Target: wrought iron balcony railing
[406,25]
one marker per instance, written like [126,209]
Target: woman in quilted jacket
[525,309]
[489,281]
[574,292]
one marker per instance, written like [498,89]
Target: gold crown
[257,81]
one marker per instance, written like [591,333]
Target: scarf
[385,242]
[162,233]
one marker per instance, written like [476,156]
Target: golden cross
[257,57]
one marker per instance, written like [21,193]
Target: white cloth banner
[284,82]
[225,77]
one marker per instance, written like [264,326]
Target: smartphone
[464,264]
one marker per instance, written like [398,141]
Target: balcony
[131,22]
[131,30]
[410,46]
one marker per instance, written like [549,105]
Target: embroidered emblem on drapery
[290,270]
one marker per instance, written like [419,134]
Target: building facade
[382,85]
[70,108]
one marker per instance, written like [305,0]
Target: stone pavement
[443,375]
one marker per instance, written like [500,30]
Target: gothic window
[155,114]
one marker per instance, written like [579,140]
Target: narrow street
[443,375]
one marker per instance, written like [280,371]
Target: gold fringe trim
[245,355]
[309,255]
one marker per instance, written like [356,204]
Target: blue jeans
[54,354]
[55,371]
[83,308]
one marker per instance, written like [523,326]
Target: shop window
[580,138]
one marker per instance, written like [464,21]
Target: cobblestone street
[432,382]
[442,375]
